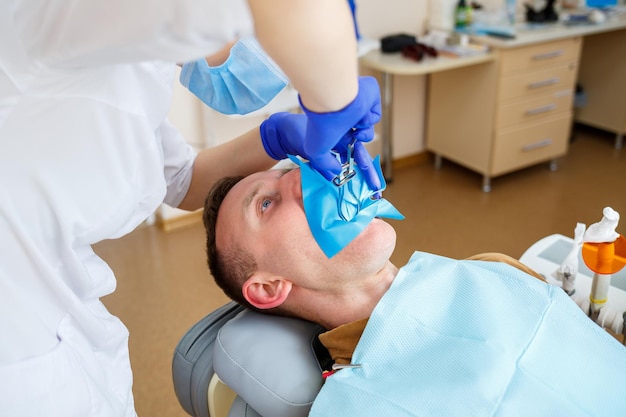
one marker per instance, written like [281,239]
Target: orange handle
[605,258]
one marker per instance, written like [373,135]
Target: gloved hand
[314,135]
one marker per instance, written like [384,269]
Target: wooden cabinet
[506,115]
[530,143]
[602,75]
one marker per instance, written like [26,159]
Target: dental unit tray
[547,254]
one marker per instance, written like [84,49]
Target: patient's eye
[265,204]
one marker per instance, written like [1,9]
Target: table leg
[486,183]
[554,166]
[387,147]
[438,161]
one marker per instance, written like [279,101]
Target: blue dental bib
[337,214]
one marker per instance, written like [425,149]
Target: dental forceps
[347,168]
[348,204]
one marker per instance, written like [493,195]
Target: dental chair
[236,362]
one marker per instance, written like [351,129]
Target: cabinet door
[603,77]
[520,147]
[531,110]
[535,83]
[538,56]
[461,105]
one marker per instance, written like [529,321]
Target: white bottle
[441,14]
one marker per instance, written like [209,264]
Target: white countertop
[527,35]
[396,64]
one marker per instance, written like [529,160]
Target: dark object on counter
[395,43]
[545,15]
[416,52]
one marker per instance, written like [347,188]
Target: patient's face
[264,214]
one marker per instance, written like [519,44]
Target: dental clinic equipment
[338,210]
[566,273]
[348,203]
[588,267]
[347,167]
[604,252]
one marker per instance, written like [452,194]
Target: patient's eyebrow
[255,191]
[250,197]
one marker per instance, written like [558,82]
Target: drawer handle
[541,144]
[548,55]
[540,110]
[544,83]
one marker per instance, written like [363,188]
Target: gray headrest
[192,364]
[241,408]
[269,362]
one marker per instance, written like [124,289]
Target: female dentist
[86,154]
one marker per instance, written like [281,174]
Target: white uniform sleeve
[178,160]
[75,33]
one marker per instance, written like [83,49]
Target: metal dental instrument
[347,169]
[348,205]
[348,202]
[338,366]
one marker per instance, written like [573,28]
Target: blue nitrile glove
[283,134]
[336,130]
[314,135]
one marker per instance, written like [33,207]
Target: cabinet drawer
[540,55]
[546,81]
[517,148]
[535,109]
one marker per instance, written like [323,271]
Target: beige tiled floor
[164,286]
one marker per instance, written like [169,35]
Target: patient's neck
[355,301]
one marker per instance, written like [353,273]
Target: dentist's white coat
[85,155]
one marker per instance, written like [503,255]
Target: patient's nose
[291,184]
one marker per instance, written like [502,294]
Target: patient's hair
[232,266]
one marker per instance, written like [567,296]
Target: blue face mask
[247,81]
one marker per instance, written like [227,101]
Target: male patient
[438,337]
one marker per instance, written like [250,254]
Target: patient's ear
[265,291]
